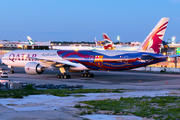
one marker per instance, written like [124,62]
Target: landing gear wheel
[58,76]
[88,75]
[65,76]
[62,76]
[85,75]
[82,74]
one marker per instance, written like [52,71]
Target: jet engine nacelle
[33,68]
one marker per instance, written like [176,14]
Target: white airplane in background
[31,42]
[36,61]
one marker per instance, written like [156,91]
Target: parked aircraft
[109,45]
[36,61]
[108,42]
[31,42]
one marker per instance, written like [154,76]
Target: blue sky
[82,20]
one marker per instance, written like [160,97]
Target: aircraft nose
[4,58]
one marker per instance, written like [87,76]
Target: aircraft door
[91,58]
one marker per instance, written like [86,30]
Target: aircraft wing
[62,63]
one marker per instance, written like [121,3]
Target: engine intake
[34,68]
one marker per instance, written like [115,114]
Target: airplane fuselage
[111,60]
[93,60]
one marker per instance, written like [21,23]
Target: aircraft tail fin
[153,41]
[31,42]
[108,43]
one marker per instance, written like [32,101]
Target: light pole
[118,38]
[174,40]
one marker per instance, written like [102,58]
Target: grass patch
[160,107]
[29,90]
[89,112]
[77,106]
[82,113]
[79,95]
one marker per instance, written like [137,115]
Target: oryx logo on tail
[31,42]
[153,41]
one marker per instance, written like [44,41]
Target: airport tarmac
[135,81]
[103,79]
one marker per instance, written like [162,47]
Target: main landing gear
[87,74]
[63,74]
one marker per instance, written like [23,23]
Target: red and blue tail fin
[108,43]
[153,41]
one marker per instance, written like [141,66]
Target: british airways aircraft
[36,61]
[109,45]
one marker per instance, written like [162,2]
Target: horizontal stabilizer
[171,56]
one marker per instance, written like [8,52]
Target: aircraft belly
[17,64]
